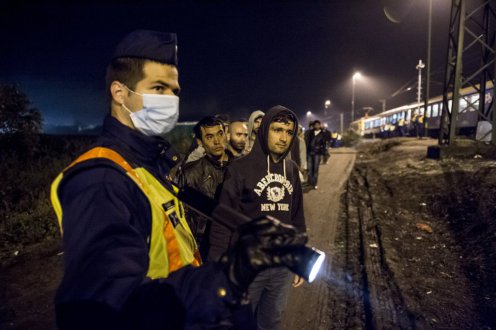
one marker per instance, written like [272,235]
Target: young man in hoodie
[253,125]
[265,183]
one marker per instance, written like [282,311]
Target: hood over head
[254,115]
[263,132]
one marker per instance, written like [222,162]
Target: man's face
[279,138]
[213,140]
[316,126]
[161,79]
[256,124]
[238,134]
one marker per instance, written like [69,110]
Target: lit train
[467,120]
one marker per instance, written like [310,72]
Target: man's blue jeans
[269,294]
[313,169]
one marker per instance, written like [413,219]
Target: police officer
[130,259]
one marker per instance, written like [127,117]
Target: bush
[26,214]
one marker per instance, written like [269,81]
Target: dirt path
[27,287]
[415,242]
[308,305]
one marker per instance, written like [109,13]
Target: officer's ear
[199,142]
[118,92]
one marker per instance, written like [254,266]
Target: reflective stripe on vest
[172,245]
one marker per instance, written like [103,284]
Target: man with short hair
[265,183]
[207,173]
[130,259]
[238,137]
[253,125]
[316,148]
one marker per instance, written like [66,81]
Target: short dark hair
[127,70]
[208,121]
[284,117]
[316,122]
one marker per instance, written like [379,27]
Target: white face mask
[158,116]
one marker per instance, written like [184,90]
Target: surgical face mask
[158,116]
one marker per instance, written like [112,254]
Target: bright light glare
[309,113]
[316,266]
[357,75]
[327,103]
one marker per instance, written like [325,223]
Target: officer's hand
[262,243]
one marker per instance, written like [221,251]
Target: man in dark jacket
[316,149]
[265,183]
[129,255]
[207,173]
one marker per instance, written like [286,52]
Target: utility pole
[383,102]
[419,67]
[428,69]
[476,25]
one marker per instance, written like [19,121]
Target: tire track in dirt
[383,300]
[370,297]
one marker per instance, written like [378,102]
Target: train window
[429,108]
[474,99]
[409,114]
[435,110]
[463,105]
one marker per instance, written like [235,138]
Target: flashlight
[306,262]
[303,260]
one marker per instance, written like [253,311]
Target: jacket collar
[146,150]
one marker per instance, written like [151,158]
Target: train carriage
[468,116]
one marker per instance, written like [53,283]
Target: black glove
[263,243]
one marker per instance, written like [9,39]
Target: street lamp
[356,76]
[309,113]
[327,104]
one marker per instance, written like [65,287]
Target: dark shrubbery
[26,215]
[27,170]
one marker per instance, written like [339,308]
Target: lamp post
[356,76]
[327,104]
[309,113]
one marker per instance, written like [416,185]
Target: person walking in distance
[316,148]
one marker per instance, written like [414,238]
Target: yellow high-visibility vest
[172,245]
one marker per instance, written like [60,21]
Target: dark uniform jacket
[107,222]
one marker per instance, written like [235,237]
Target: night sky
[234,57]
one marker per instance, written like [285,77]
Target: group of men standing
[244,166]
[135,257]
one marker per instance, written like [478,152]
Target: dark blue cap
[151,45]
